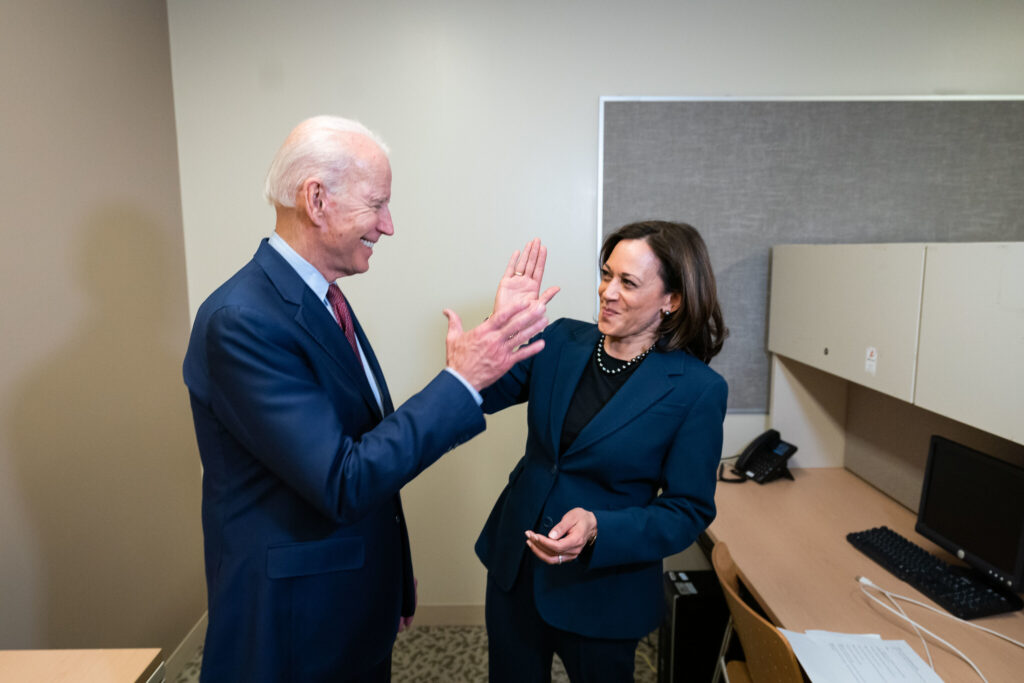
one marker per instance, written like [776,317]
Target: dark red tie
[340,306]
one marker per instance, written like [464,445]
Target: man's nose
[386,226]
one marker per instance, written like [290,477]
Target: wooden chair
[770,657]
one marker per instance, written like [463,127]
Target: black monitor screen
[974,503]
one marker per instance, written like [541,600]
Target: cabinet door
[851,310]
[971,359]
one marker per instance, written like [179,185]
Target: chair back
[770,657]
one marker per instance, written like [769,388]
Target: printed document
[829,657]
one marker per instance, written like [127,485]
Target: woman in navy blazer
[625,432]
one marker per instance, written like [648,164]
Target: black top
[594,390]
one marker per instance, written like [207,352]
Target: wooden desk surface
[81,666]
[788,539]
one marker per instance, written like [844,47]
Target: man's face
[357,216]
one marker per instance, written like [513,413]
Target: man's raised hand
[489,350]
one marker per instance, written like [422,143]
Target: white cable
[867,582]
[924,642]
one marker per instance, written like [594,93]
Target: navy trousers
[520,644]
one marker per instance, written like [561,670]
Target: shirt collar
[310,275]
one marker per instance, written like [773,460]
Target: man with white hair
[308,566]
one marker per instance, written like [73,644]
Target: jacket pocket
[289,560]
[674,409]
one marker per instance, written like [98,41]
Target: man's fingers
[525,317]
[454,323]
[524,329]
[500,319]
[524,352]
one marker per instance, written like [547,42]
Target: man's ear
[314,198]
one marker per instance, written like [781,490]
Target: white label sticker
[871,360]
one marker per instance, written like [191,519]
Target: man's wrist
[472,391]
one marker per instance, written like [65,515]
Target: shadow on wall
[105,455]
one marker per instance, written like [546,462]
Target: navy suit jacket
[662,431]
[307,553]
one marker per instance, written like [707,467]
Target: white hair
[314,148]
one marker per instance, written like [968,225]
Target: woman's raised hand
[522,279]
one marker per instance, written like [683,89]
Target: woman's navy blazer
[645,466]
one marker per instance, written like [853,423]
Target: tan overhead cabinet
[850,310]
[970,364]
[937,325]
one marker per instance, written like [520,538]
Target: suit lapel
[378,374]
[571,361]
[648,384]
[312,316]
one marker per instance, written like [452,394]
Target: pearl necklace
[635,359]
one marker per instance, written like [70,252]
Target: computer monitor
[973,506]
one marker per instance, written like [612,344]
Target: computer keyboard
[954,588]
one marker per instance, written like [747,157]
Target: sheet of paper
[850,658]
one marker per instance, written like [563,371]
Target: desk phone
[764,459]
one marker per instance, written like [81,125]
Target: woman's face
[632,294]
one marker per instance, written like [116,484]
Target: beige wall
[492,114]
[100,542]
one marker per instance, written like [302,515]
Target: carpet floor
[457,654]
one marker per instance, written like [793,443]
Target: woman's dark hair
[696,326]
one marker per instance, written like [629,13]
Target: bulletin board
[750,174]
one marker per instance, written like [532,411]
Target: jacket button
[547,522]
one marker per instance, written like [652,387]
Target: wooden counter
[788,539]
[81,666]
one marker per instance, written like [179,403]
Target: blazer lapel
[378,374]
[569,369]
[312,316]
[649,383]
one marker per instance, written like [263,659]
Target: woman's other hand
[522,278]
[567,539]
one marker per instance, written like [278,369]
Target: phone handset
[764,459]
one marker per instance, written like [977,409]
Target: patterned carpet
[457,654]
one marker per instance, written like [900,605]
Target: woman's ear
[674,300]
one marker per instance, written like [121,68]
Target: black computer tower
[690,636]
